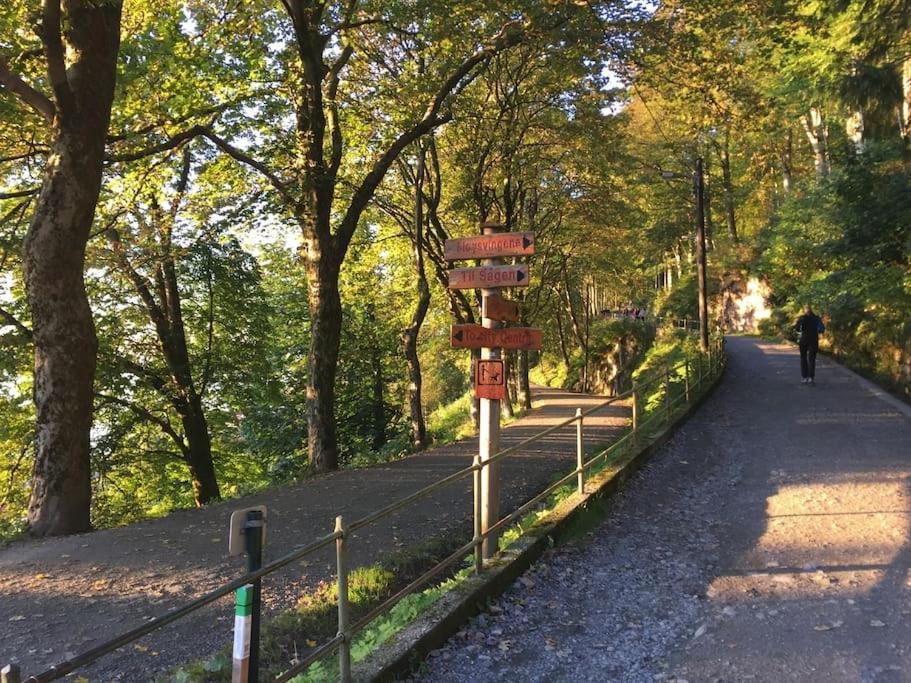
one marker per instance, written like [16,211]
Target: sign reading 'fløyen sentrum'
[477,337]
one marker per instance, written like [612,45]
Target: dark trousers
[808,360]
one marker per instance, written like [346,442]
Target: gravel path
[61,596]
[769,541]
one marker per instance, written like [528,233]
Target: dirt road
[59,597]
[769,541]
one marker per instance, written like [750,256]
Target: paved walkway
[769,541]
[61,596]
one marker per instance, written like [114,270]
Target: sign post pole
[489,438]
[253,534]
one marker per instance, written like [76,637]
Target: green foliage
[673,347]
[615,347]
[844,246]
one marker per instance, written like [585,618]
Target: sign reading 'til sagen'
[488,277]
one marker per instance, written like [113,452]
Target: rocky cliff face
[744,304]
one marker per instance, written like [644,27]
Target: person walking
[810,327]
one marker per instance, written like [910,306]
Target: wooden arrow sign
[490,246]
[495,307]
[488,277]
[477,337]
[489,379]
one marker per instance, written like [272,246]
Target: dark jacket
[810,327]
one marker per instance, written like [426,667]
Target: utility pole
[699,191]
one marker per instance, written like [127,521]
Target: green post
[243,621]
[10,674]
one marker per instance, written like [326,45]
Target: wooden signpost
[491,337]
[496,307]
[476,337]
[487,277]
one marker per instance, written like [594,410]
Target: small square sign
[490,379]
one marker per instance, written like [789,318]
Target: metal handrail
[89,656]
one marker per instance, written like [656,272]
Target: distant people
[809,326]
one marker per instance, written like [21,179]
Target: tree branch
[335,129]
[174,141]
[20,193]
[49,32]
[15,322]
[37,100]
[147,415]
[511,34]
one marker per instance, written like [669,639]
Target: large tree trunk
[82,70]
[64,336]
[198,454]
[728,185]
[325,336]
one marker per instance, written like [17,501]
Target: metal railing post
[10,674]
[686,379]
[580,451]
[667,395]
[253,540]
[341,559]
[478,554]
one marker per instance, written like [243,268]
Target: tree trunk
[906,105]
[786,156]
[166,314]
[562,337]
[198,454]
[524,383]
[81,64]
[64,337]
[709,214]
[379,402]
[506,406]
[728,185]
[325,336]
[814,126]
[854,129]
[410,336]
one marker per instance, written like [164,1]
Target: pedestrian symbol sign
[490,379]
